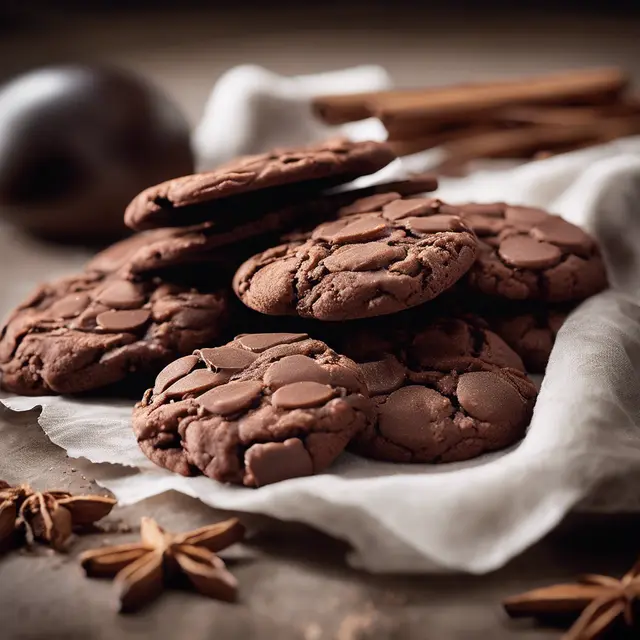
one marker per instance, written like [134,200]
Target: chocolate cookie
[158,249]
[531,332]
[447,391]
[168,247]
[90,331]
[247,187]
[261,409]
[383,254]
[123,253]
[529,254]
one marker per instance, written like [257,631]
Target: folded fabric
[251,110]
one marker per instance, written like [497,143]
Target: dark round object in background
[77,143]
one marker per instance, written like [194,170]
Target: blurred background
[84,145]
[184,46]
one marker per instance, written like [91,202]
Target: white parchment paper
[475,516]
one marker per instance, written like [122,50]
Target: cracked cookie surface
[529,254]
[260,409]
[89,331]
[382,254]
[244,188]
[446,391]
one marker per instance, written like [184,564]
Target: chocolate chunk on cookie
[446,391]
[247,187]
[399,254]
[529,254]
[530,331]
[90,331]
[260,409]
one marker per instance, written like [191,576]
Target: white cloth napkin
[584,439]
[252,110]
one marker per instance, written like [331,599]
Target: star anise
[10,500]
[143,569]
[49,517]
[600,601]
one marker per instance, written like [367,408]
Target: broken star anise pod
[10,500]
[600,601]
[142,570]
[49,517]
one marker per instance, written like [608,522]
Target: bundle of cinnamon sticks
[523,118]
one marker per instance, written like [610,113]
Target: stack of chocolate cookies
[369,318]
[162,293]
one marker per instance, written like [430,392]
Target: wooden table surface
[294,583]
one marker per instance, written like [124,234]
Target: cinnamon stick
[341,109]
[351,107]
[454,104]
[612,128]
[421,128]
[561,116]
[417,143]
[566,115]
[516,143]
[523,142]
[587,86]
